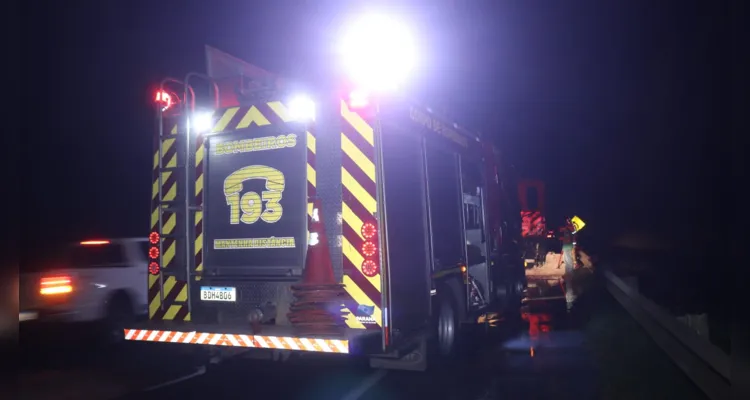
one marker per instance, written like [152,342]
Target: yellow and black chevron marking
[359,205]
[173,289]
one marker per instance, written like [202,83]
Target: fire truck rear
[334,223]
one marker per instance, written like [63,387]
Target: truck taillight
[369,249]
[153,253]
[369,230]
[370,268]
[56,285]
[153,268]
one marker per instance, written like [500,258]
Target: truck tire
[447,319]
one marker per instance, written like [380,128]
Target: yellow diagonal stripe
[199,243]
[172,311]
[280,110]
[351,219]
[225,119]
[351,320]
[169,196]
[353,255]
[199,153]
[359,158]
[253,115]
[311,142]
[170,224]
[310,209]
[155,218]
[311,175]
[358,191]
[361,298]
[198,217]
[198,269]
[168,255]
[171,193]
[164,177]
[199,184]
[175,308]
[165,146]
[156,301]
[152,279]
[174,130]
[359,124]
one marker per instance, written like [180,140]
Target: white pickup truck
[95,281]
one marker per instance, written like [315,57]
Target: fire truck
[327,223]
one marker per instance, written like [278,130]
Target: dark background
[616,106]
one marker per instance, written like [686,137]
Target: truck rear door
[255,197]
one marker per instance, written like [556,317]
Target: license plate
[531,285]
[213,293]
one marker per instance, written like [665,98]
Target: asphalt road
[594,352]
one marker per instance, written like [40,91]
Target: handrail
[705,364]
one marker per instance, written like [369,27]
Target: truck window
[473,187]
[446,207]
[95,256]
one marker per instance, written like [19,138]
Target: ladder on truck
[180,202]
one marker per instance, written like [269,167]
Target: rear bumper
[271,338]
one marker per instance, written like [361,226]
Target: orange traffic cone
[317,309]
[318,266]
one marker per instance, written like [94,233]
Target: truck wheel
[447,327]
[447,321]
[120,313]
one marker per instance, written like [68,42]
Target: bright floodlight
[378,52]
[202,121]
[302,108]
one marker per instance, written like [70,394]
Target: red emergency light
[153,254]
[164,99]
[370,266]
[153,238]
[153,268]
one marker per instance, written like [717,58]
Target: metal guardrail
[705,364]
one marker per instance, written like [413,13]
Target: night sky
[614,106]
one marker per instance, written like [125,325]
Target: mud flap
[414,360]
